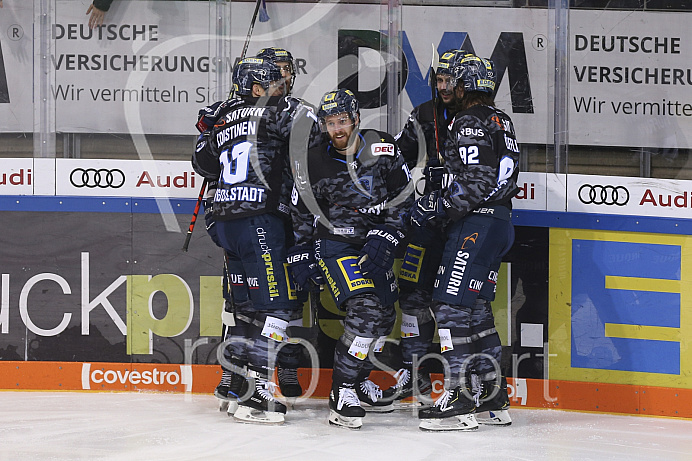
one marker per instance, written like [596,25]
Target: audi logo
[604,195]
[102,178]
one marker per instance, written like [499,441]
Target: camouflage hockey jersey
[343,197]
[248,150]
[419,131]
[482,156]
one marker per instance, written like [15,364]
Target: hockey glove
[209,220]
[427,208]
[377,256]
[303,267]
[434,174]
[207,117]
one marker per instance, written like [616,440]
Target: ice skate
[492,404]
[344,408]
[237,389]
[408,394]
[288,382]
[221,391]
[371,398]
[261,407]
[452,411]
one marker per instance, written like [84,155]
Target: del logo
[351,272]
[136,376]
[381,148]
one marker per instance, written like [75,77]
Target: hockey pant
[417,324]
[468,340]
[366,321]
[416,278]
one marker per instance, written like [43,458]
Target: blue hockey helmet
[276,55]
[337,102]
[254,70]
[476,74]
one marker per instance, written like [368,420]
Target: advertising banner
[155,63]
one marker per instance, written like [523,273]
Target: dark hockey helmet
[336,102]
[254,70]
[449,60]
[476,74]
[275,55]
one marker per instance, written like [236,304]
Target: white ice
[157,426]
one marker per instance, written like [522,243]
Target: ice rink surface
[157,426]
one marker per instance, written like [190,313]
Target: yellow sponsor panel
[637,326]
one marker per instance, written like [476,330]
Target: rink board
[524,393]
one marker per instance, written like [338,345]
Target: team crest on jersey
[382,148]
[363,186]
[455,189]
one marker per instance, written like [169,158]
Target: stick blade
[435,61]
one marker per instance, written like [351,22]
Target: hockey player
[424,249]
[481,155]
[347,200]
[247,152]
[289,355]
[283,59]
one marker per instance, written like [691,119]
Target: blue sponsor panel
[621,290]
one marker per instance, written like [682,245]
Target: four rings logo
[102,178]
[604,195]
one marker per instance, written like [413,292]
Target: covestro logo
[140,376]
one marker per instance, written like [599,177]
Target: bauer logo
[140,376]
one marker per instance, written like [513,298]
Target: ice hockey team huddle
[303,199]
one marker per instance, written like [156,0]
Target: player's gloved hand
[434,174]
[303,266]
[377,256]
[207,116]
[427,208]
[209,220]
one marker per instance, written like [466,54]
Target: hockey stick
[258,4]
[194,215]
[434,64]
[308,333]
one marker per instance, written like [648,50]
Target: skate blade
[412,404]
[250,415]
[220,396]
[453,423]
[378,409]
[232,407]
[495,418]
[335,419]
[223,405]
